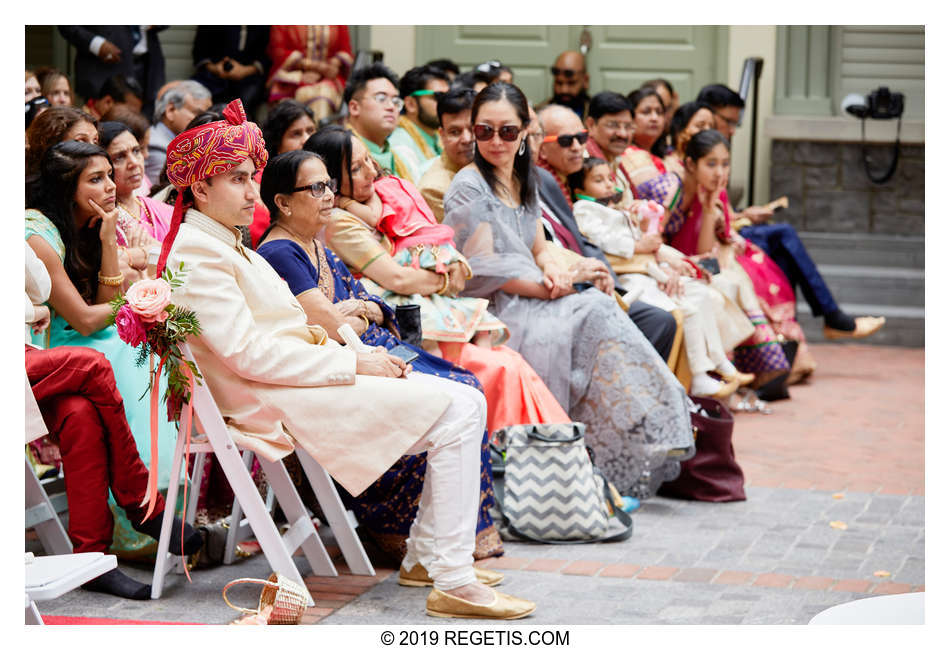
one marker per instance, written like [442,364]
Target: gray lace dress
[597,363]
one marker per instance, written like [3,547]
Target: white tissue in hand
[348,334]
[654,272]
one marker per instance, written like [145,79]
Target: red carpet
[87,620]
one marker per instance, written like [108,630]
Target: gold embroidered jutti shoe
[503,607]
[419,577]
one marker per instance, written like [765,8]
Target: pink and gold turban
[209,150]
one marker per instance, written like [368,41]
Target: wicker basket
[288,598]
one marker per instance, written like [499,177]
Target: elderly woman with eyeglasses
[299,195]
[601,368]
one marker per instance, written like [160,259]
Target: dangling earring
[522,147]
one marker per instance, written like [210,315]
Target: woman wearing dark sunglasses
[514,392]
[599,366]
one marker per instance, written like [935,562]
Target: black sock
[153,528]
[118,584]
[838,320]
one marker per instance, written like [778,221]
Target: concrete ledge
[841,129]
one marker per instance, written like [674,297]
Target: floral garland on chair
[146,318]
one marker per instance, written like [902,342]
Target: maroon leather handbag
[713,473]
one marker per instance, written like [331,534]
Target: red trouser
[82,408]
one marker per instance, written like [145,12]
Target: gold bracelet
[445,284]
[365,320]
[110,280]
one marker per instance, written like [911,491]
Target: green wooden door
[529,50]
[621,57]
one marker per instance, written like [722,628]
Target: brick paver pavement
[848,447]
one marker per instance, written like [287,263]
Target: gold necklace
[300,240]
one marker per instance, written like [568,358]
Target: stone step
[874,285]
[904,327]
[864,250]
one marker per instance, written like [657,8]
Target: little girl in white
[663,276]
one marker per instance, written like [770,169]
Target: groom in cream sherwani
[280,382]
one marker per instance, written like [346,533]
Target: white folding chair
[51,576]
[41,515]
[277,549]
[342,521]
[239,528]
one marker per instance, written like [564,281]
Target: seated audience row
[564,263]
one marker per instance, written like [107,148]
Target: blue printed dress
[388,507]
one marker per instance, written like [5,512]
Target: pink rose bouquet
[129,326]
[146,318]
[150,299]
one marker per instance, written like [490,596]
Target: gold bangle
[365,320]
[110,280]
[445,284]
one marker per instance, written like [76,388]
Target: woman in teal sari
[71,226]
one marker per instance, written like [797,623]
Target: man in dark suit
[559,224]
[231,61]
[103,51]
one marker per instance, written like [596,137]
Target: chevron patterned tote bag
[552,492]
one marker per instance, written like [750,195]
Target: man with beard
[570,83]
[416,139]
[455,129]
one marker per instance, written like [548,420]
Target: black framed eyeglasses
[319,188]
[565,139]
[485,132]
[732,123]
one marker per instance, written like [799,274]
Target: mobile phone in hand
[405,353]
[711,264]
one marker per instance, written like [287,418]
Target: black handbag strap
[577,435]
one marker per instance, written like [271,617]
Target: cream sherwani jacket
[279,381]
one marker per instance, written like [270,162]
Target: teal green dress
[132,381]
